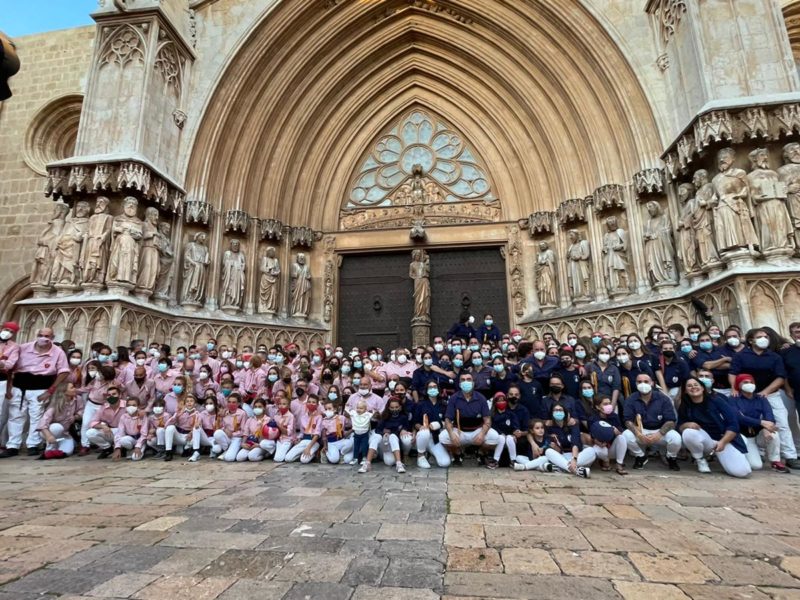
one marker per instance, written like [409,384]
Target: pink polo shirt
[109,415]
[49,362]
[144,394]
[9,354]
[65,418]
[133,426]
[395,368]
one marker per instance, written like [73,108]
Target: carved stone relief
[269,283]
[516,270]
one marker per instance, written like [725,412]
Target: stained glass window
[420,140]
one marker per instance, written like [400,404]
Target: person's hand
[572,422]
[455,438]
[769,426]
[518,434]
[573,465]
[43,397]
[692,354]
[642,438]
[137,453]
[656,437]
[307,451]
[480,438]
[734,393]
[117,454]
[720,447]
[617,431]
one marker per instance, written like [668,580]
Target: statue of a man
[790,176]
[123,265]
[659,249]
[149,255]
[269,286]
[732,219]
[615,249]
[686,237]
[420,272]
[67,256]
[768,193]
[233,266]
[46,245]
[546,275]
[195,263]
[301,286]
[579,254]
[166,256]
[701,219]
[98,239]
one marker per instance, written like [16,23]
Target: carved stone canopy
[236,220]
[197,211]
[649,181]
[609,196]
[304,237]
[571,210]
[540,222]
[271,229]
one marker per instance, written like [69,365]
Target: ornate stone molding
[303,237]
[516,271]
[236,220]
[609,196]
[445,213]
[668,14]
[649,181]
[571,210]
[271,229]
[332,263]
[179,117]
[540,222]
[124,176]
[123,45]
[197,211]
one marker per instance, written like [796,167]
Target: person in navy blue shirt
[505,423]
[514,397]
[605,376]
[488,332]
[791,362]
[605,428]
[531,395]
[642,360]
[558,395]
[769,373]
[675,369]
[461,330]
[392,431]
[630,370]
[467,421]
[650,421]
[569,373]
[542,365]
[709,424]
[566,450]
[481,374]
[428,422]
[712,358]
[502,378]
[422,375]
[757,425]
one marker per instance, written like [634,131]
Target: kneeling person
[468,421]
[650,420]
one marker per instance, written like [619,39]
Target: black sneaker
[792,463]
[167,455]
[491,464]
[458,461]
[9,452]
[481,459]
[673,463]
[187,452]
[640,462]
[34,451]
[105,453]
[549,467]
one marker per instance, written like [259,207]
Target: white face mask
[539,355]
[603,357]
[226,355]
[644,388]
[748,388]
[258,411]
[734,342]
[246,364]
[132,410]
[762,343]
[329,413]
[203,375]
[157,410]
[209,408]
[392,384]
[140,362]
[93,374]
[402,359]
[373,357]
[634,345]
[363,392]
[74,361]
[5,335]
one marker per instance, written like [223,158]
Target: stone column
[286,273]
[215,251]
[596,242]
[635,226]
[251,288]
[560,248]
[177,263]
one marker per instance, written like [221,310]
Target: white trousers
[771,444]
[424,443]
[64,441]
[561,460]
[101,439]
[254,454]
[173,437]
[509,442]
[699,444]
[229,447]
[22,410]
[390,446]
[671,441]
[618,448]
[297,452]
[200,438]
[90,409]
[788,449]
[16,396]
[129,443]
[268,446]
[281,450]
[468,437]
[794,424]
[159,440]
[340,449]
[537,464]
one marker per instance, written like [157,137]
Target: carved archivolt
[124,45]
[52,132]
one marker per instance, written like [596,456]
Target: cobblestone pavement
[83,528]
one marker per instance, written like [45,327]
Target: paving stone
[723,592]
[595,564]
[196,588]
[244,564]
[399,549]
[674,542]
[528,561]
[310,590]
[749,571]
[636,591]
[671,568]
[123,585]
[256,590]
[359,547]
[390,531]
[535,537]
[214,539]
[57,581]
[349,531]
[489,585]
[616,540]
[393,593]
[301,544]
[365,570]
[161,524]
[413,572]
[186,561]
[137,559]
[465,535]
[791,564]
[311,566]
[753,545]
[479,560]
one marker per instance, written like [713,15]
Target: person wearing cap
[709,425]
[757,425]
[9,353]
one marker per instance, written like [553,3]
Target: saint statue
[579,254]
[268,288]
[123,265]
[195,262]
[615,249]
[46,245]
[98,239]
[546,275]
[420,272]
[149,256]
[701,220]
[659,249]
[686,236]
[790,176]
[301,286]
[67,260]
[166,256]
[732,219]
[768,193]
[233,266]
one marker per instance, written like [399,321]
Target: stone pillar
[177,263]
[635,226]
[596,242]
[286,273]
[251,288]
[215,251]
[560,248]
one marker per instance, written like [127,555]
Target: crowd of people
[699,394]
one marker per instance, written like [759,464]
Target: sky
[23,17]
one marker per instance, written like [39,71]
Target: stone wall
[53,66]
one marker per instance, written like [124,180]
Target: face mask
[477,361]
[329,414]
[488,322]
[373,357]
[311,407]
[162,367]
[272,377]
[363,392]
[392,385]
[189,409]
[93,374]
[499,368]
[438,347]
[485,354]
[345,369]
[132,410]
[226,392]
[644,388]
[604,357]
[279,359]
[686,349]
[634,345]
[301,392]
[428,362]
[501,405]
[103,358]
[210,346]
[748,388]
[177,389]
[239,364]
[623,359]
[158,410]
[357,364]
[270,357]
[596,339]
[706,346]
[246,364]
[474,347]
[74,361]
[668,353]
[338,354]
[283,409]
[556,389]
[559,415]
[418,358]
[395,412]
[539,355]
[456,348]
[402,359]
[188,374]
[714,336]
[113,399]
[226,355]
[180,357]
[566,362]
[233,406]
[332,396]
[517,338]
[707,382]
[5,335]
[762,343]
[580,354]
[608,409]
[587,393]
[202,376]
[694,336]
[466,386]
[433,393]
[196,356]
[572,342]
[356,380]
[258,411]
[458,363]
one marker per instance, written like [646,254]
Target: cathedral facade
[356,170]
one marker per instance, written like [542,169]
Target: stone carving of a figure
[67,261]
[268,289]
[148,255]
[420,272]
[301,286]
[659,249]
[701,219]
[732,219]
[46,245]
[579,254]
[123,265]
[768,194]
[546,275]
[615,249]
[195,263]
[98,239]
[166,257]
[233,266]
[790,176]
[687,242]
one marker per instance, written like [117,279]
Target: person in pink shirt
[131,431]
[102,429]
[205,359]
[208,421]
[285,422]
[205,381]
[253,446]
[9,354]
[163,377]
[228,439]
[140,388]
[251,382]
[76,371]
[98,380]
[336,446]
[181,426]
[375,403]
[157,427]
[310,422]
[58,417]
[177,396]
[40,367]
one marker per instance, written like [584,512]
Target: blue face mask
[694,336]
[177,389]
[433,393]
[707,382]
[596,340]
[226,392]
[474,347]
[457,348]
[706,346]
[345,369]
[559,415]
[587,393]
[210,346]
[103,358]
[686,349]
[358,364]
[427,362]
[488,322]
[458,363]
[356,380]
[466,386]
[181,356]
[499,368]
[162,367]
[477,362]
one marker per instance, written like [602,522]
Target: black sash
[30,382]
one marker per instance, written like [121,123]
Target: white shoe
[519,467]
[194,457]
[364,468]
[585,472]
[221,457]
[401,468]
[702,466]
[353,462]
[423,463]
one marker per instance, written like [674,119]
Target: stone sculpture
[166,257]
[46,245]
[707,256]
[301,286]
[546,275]
[420,271]
[579,254]
[659,248]
[268,289]
[233,282]
[67,263]
[687,242]
[96,246]
[195,263]
[768,194]
[148,255]
[789,174]
[732,218]
[123,265]
[615,250]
